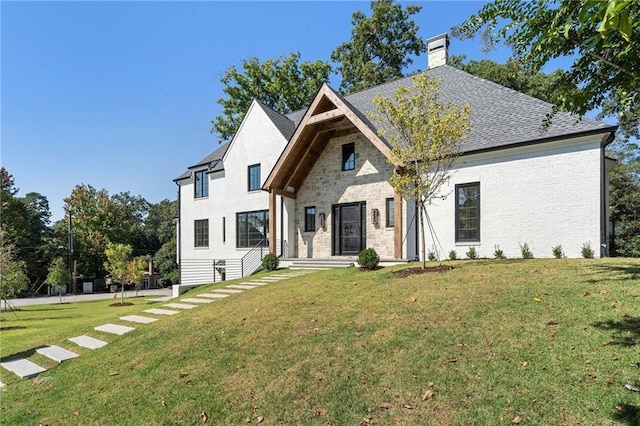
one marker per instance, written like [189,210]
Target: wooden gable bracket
[325,116]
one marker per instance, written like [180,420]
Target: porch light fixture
[375,216]
[322,220]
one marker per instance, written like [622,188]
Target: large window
[468,212]
[254,177]
[390,212]
[348,156]
[251,228]
[309,219]
[201,184]
[201,234]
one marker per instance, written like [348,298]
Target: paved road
[46,300]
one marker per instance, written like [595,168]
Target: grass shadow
[19,355]
[630,326]
[627,272]
[629,414]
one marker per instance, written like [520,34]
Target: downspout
[604,238]
[179,237]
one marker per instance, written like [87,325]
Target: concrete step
[23,368]
[139,319]
[161,311]
[57,353]
[114,329]
[196,300]
[88,342]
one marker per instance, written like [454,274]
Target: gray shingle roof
[500,116]
[285,125]
[213,161]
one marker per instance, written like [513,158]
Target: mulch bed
[121,304]
[402,273]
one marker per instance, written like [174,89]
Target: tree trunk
[422,237]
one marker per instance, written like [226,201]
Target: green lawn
[542,342]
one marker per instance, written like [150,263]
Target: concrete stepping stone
[214,295]
[241,286]
[114,329]
[162,311]
[57,353]
[139,319]
[256,283]
[196,300]
[88,342]
[161,299]
[180,306]
[228,290]
[23,368]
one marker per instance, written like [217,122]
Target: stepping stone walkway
[57,353]
[88,342]
[180,306]
[27,369]
[196,300]
[139,319]
[114,329]
[161,311]
[23,368]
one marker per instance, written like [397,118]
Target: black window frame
[245,238]
[466,213]
[201,235]
[253,181]
[200,184]
[224,229]
[390,211]
[348,156]
[310,219]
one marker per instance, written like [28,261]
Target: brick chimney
[438,50]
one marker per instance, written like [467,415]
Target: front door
[349,228]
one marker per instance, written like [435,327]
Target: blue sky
[120,95]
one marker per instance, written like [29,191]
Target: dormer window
[201,184]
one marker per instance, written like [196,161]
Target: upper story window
[309,219]
[254,177]
[468,212]
[390,212]
[201,233]
[348,156]
[201,184]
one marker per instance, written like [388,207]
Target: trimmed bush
[432,256]
[526,251]
[368,259]
[270,262]
[498,253]
[557,251]
[587,251]
[472,253]
[453,255]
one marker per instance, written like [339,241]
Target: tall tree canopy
[602,37]
[284,84]
[381,45]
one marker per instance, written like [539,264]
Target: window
[201,184]
[309,219]
[348,156]
[224,229]
[390,212]
[254,177]
[251,228]
[468,212]
[201,237]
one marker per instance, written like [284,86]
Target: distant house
[315,183]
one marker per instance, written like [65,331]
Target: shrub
[472,253]
[432,256]
[557,251]
[270,262]
[587,251]
[498,253]
[368,259]
[525,251]
[453,255]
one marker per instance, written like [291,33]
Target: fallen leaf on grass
[183,375]
[454,359]
[524,363]
[114,373]
[427,395]
[614,305]
[385,406]
[430,384]
[631,388]
[203,417]
[587,293]
[259,419]
[551,323]
[535,299]
[367,421]
[516,420]
[407,406]
[413,299]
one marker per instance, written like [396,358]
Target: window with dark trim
[468,212]
[348,156]
[310,219]
[251,228]
[254,177]
[201,233]
[224,229]
[390,212]
[201,184]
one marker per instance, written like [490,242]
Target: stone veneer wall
[327,185]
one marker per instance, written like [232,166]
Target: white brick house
[324,187]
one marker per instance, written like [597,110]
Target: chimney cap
[437,41]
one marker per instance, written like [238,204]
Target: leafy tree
[13,277]
[135,209]
[425,137]
[58,275]
[165,262]
[284,84]
[380,45]
[160,223]
[121,267]
[601,36]
[625,208]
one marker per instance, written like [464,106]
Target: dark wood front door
[349,228]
